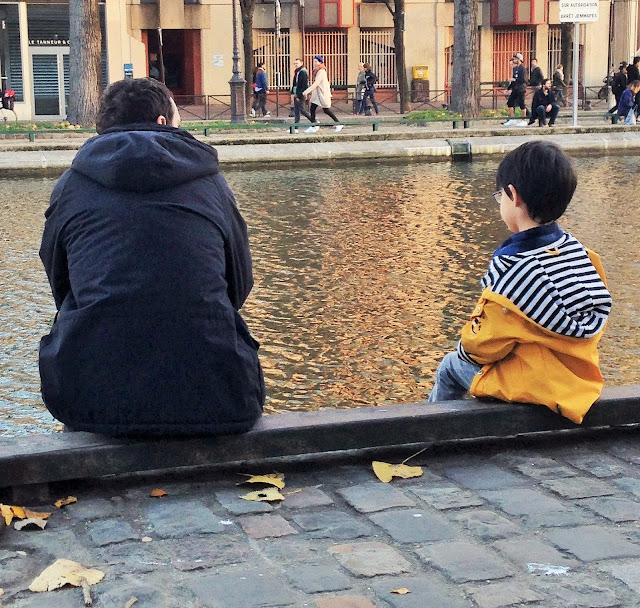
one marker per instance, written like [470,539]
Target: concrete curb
[20,163]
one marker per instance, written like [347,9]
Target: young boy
[533,334]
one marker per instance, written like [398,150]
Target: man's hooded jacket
[148,260]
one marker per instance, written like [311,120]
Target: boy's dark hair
[634,83]
[543,176]
[134,100]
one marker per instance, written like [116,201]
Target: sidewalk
[433,142]
[552,524]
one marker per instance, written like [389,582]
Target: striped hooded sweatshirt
[536,327]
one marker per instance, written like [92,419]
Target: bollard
[375,126]
[614,119]
[207,131]
[32,136]
[467,124]
[456,124]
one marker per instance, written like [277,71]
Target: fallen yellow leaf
[63,502]
[36,514]
[146,539]
[63,572]
[266,495]
[385,472]
[59,428]
[401,591]
[7,513]
[272,479]
[157,493]
[131,602]
[41,523]
[18,512]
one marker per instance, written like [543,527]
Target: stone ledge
[40,459]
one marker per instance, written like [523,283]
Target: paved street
[513,525]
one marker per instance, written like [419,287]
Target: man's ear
[161,120]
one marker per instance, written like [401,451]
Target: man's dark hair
[634,83]
[636,59]
[134,100]
[544,177]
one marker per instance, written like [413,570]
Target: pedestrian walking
[559,85]
[536,78]
[361,85]
[320,94]
[518,87]
[300,83]
[260,90]
[627,107]
[619,84]
[370,89]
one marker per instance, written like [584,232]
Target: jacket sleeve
[238,264]
[303,81]
[263,84]
[316,83]
[490,333]
[52,249]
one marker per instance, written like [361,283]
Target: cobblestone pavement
[516,525]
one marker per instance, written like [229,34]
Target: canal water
[364,277]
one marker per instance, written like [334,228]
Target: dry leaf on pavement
[36,514]
[272,479]
[131,602]
[31,521]
[385,472]
[158,493]
[401,591]
[266,495]
[63,572]
[63,502]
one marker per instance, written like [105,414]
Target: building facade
[194,38]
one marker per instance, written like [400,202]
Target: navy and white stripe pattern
[556,286]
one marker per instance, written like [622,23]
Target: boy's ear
[515,196]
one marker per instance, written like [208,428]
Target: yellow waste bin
[421,72]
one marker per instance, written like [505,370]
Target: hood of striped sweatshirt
[552,278]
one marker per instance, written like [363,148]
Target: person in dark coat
[536,78]
[148,260]
[633,73]
[544,106]
[299,84]
[619,84]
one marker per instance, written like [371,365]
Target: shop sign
[48,42]
[578,11]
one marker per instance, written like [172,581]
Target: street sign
[578,11]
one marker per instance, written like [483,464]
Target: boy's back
[533,334]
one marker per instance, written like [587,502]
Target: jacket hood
[559,286]
[145,158]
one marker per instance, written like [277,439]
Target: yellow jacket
[526,362]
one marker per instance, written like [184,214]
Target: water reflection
[364,276]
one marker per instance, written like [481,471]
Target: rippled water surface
[364,276]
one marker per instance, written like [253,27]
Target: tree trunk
[85,74]
[398,42]
[246,11]
[465,84]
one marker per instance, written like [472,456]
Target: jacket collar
[527,240]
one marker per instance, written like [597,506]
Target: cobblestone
[413,526]
[346,540]
[369,498]
[463,562]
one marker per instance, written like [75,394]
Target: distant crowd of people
[550,93]
[307,95]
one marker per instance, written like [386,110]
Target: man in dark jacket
[536,78]
[633,73]
[544,106]
[619,84]
[299,85]
[148,260]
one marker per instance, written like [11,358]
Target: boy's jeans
[453,378]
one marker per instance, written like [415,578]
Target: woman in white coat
[320,92]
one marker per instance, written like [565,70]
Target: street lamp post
[238,103]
